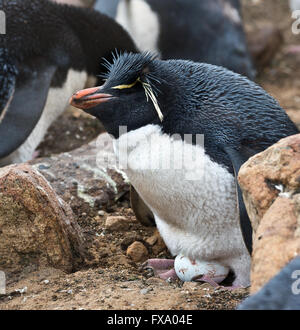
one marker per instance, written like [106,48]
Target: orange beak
[89,98]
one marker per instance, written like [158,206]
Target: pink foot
[163,268]
[35,154]
[207,279]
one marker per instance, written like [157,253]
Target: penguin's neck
[97,32]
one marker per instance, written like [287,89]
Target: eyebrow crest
[125,86]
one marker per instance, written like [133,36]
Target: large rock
[37,228]
[86,177]
[271,188]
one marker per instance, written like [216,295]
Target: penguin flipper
[237,160]
[25,108]
[142,212]
[8,73]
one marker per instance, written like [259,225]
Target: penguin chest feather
[141,22]
[57,101]
[193,198]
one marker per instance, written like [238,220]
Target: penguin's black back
[229,109]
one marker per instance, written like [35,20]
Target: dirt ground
[114,281]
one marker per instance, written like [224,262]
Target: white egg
[189,270]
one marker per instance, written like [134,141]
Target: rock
[191,286]
[117,223]
[156,281]
[156,242]
[37,228]
[270,182]
[137,252]
[146,290]
[281,293]
[263,44]
[82,177]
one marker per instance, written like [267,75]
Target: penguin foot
[35,154]
[163,268]
[207,279]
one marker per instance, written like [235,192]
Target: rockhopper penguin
[202,31]
[195,207]
[48,52]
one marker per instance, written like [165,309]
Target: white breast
[141,22]
[56,103]
[195,207]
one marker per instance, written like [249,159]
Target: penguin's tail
[8,75]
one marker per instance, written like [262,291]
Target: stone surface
[271,188]
[156,242]
[117,223]
[82,179]
[137,252]
[37,228]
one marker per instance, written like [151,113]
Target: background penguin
[108,8]
[49,50]
[278,293]
[196,218]
[202,31]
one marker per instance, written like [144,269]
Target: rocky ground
[111,278]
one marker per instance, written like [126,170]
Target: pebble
[116,223]
[137,252]
[146,290]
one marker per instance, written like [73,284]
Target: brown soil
[112,280]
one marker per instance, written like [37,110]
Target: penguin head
[129,96]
